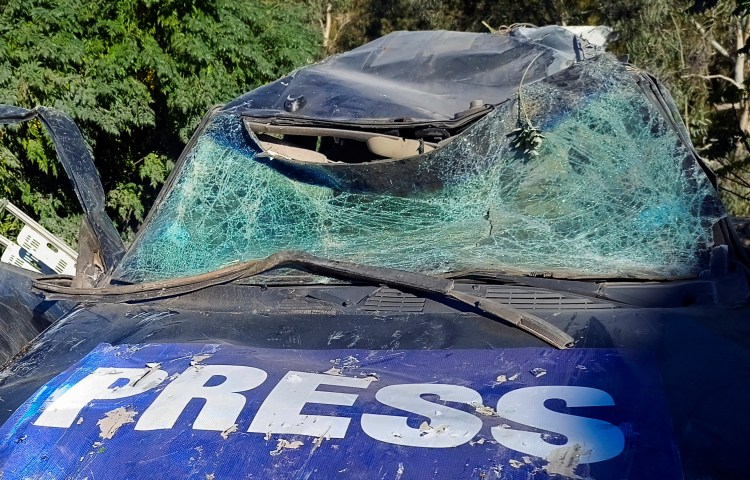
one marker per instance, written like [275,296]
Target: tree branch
[723,51]
[726,106]
[719,77]
[732,176]
[327,29]
[341,26]
[735,193]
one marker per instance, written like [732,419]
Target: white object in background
[14,256]
[46,252]
[36,246]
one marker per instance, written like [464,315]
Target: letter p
[99,385]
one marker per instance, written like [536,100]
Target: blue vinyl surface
[344,414]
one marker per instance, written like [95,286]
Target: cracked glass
[609,191]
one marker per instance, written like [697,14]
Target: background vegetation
[137,75]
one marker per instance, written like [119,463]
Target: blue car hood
[219,411]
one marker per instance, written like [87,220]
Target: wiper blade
[561,276]
[444,288]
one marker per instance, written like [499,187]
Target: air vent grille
[390,300]
[531,299]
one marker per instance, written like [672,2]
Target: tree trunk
[327,29]
[741,37]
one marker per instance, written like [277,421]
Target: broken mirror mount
[475,106]
[73,153]
[294,103]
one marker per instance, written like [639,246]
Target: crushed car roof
[413,76]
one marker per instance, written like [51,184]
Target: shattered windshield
[608,190]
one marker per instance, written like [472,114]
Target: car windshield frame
[504,117]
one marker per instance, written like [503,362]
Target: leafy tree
[725,28]
[696,47]
[660,38]
[136,75]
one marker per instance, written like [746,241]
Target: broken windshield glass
[609,190]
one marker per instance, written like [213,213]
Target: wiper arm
[444,288]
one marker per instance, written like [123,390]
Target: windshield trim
[444,288]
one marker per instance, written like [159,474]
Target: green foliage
[659,37]
[9,226]
[743,7]
[137,76]
[527,139]
[727,143]
[155,169]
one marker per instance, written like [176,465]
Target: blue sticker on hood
[226,412]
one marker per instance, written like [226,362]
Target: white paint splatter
[333,371]
[484,410]
[335,336]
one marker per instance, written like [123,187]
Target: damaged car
[440,255]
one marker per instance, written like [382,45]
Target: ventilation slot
[530,299]
[31,244]
[390,300]
[60,267]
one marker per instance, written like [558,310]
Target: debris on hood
[283,445]
[113,420]
[564,460]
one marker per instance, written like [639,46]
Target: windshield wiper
[441,287]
